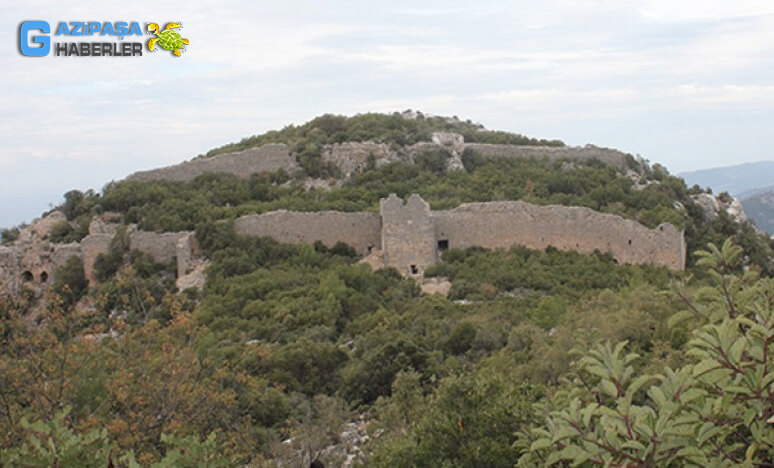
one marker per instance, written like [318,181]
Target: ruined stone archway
[44,277]
[27,276]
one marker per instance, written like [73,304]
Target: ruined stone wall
[360,230]
[504,224]
[352,157]
[408,234]
[91,246]
[267,158]
[9,269]
[585,153]
[187,252]
[161,246]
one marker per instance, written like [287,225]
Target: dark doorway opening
[443,245]
[44,277]
[414,269]
[27,276]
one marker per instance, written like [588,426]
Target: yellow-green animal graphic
[167,39]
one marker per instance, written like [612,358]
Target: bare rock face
[99,226]
[712,205]
[353,157]
[194,278]
[431,286]
[449,139]
[708,203]
[736,210]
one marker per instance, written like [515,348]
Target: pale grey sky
[689,84]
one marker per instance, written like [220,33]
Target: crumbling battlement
[33,261]
[353,157]
[579,153]
[411,237]
[504,224]
[267,158]
[362,231]
[405,235]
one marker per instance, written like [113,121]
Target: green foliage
[470,420]
[476,273]
[9,235]
[710,412]
[70,283]
[434,161]
[64,232]
[52,443]
[106,265]
[77,204]
[461,338]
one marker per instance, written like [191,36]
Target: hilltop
[398,290]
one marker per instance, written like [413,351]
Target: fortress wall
[267,158]
[161,246]
[91,246]
[360,230]
[408,234]
[504,224]
[609,156]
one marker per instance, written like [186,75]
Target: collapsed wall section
[505,224]
[584,153]
[266,158]
[161,246]
[360,230]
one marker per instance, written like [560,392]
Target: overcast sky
[689,84]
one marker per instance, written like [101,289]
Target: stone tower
[408,234]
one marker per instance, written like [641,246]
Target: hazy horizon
[686,84]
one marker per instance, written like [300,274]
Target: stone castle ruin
[353,157]
[406,235]
[410,237]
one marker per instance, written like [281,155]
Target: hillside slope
[287,353]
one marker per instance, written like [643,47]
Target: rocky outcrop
[712,206]
[353,157]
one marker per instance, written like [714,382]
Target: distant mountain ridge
[736,180]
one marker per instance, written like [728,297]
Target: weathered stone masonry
[405,235]
[411,237]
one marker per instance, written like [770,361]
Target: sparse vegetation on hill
[382,128]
